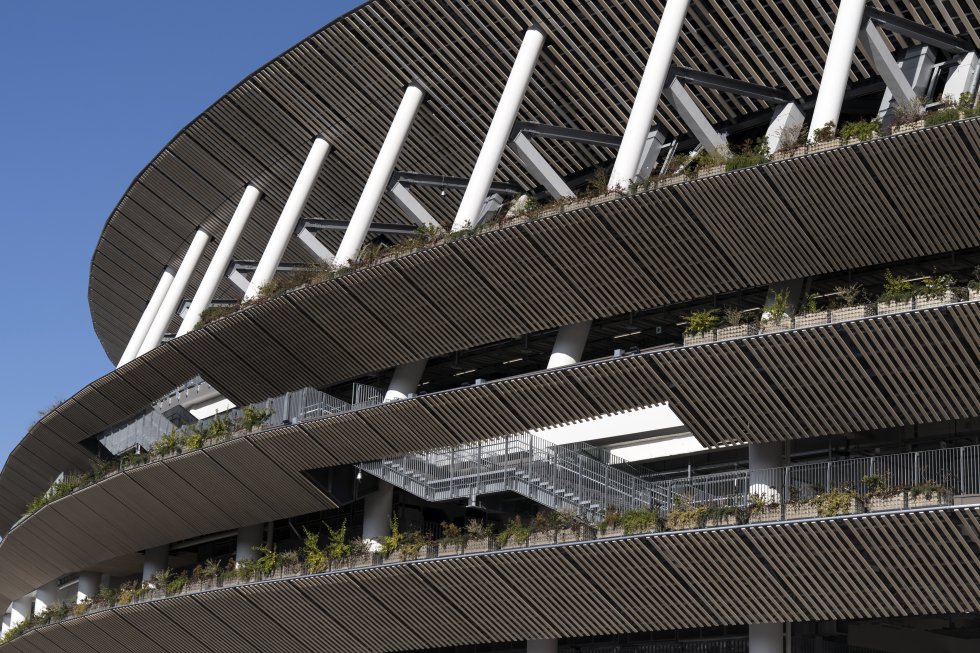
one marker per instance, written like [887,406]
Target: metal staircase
[577,478]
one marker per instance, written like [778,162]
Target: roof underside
[345,82]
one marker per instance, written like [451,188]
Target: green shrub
[732,316]
[701,321]
[850,294]
[750,153]
[252,417]
[215,313]
[337,546]
[314,557]
[906,112]
[860,130]
[453,536]
[897,288]
[268,560]
[640,520]
[515,531]
[837,501]
[975,280]
[936,285]
[391,542]
[411,544]
[928,490]
[612,520]
[941,117]
[684,514]
[826,133]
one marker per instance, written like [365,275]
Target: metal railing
[574,477]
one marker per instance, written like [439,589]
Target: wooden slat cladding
[888,565]
[344,82]
[912,368]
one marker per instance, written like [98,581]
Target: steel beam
[729,85]
[921,33]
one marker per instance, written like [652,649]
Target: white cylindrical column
[648,95]
[405,380]
[222,258]
[150,312]
[88,585]
[377,182]
[155,560]
[542,646]
[766,638]
[45,597]
[569,344]
[763,458]
[20,610]
[500,127]
[249,537]
[377,512]
[837,68]
[289,218]
[176,291]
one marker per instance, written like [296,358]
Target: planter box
[672,180]
[774,326]
[362,561]
[801,510]
[909,126]
[880,504]
[832,144]
[923,501]
[699,338]
[724,520]
[851,313]
[766,514]
[450,550]
[740,331]
[811,319]
[788,153]
[514,544]
[540,539]
[682,523]
[477,546]
[568,535]
[612,532]
[884,308]
[711,171]
[947,297]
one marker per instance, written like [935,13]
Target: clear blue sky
[91,92]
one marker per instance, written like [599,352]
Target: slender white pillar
[405,380]
[377,512]
[569,344]
[45,597]
[175,293]
[20,610]
[222,258]
[249,537]
[837,68]
[150,312]
[88,585]
[377,182]
[155,560]
[648,94]
[499,133]
[766,638]
[289,218]
[542,646]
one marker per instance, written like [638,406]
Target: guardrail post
[915,470]
[961,482]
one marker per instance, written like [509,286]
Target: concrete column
[569,344]
[176,291]
[249,537]
[221,260]
[787,121]
[916,65]
[405,380]
[377,182]
[6,623]
[837,68]
[45,597]
[648,95]
[766,638]
[499,133]
[289,218]
[154,560]
[150,312]
[542,646]
[764,457]
[20,610]
[377,512]
[963,78]
[88,585]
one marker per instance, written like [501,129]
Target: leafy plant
[391,543]
[477,531]
[640,520]
[684,514]
[337,546]
[897,288]
[411,544]
[750,153]
[907,111]
[515,531]
[928,490]
[850,294]
[826,133]
[860,130]
[315,558]
[246,570]
[612,520]
[936,285]
[941,117]
[732,316]
[598,185]
[129,592]
[701,321]
[837,501]
[268,560]
[252,417]
[810,304]
[778,306]
[215,313]
[975,281]
[453,536]
[177,584]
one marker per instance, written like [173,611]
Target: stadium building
[620,325]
